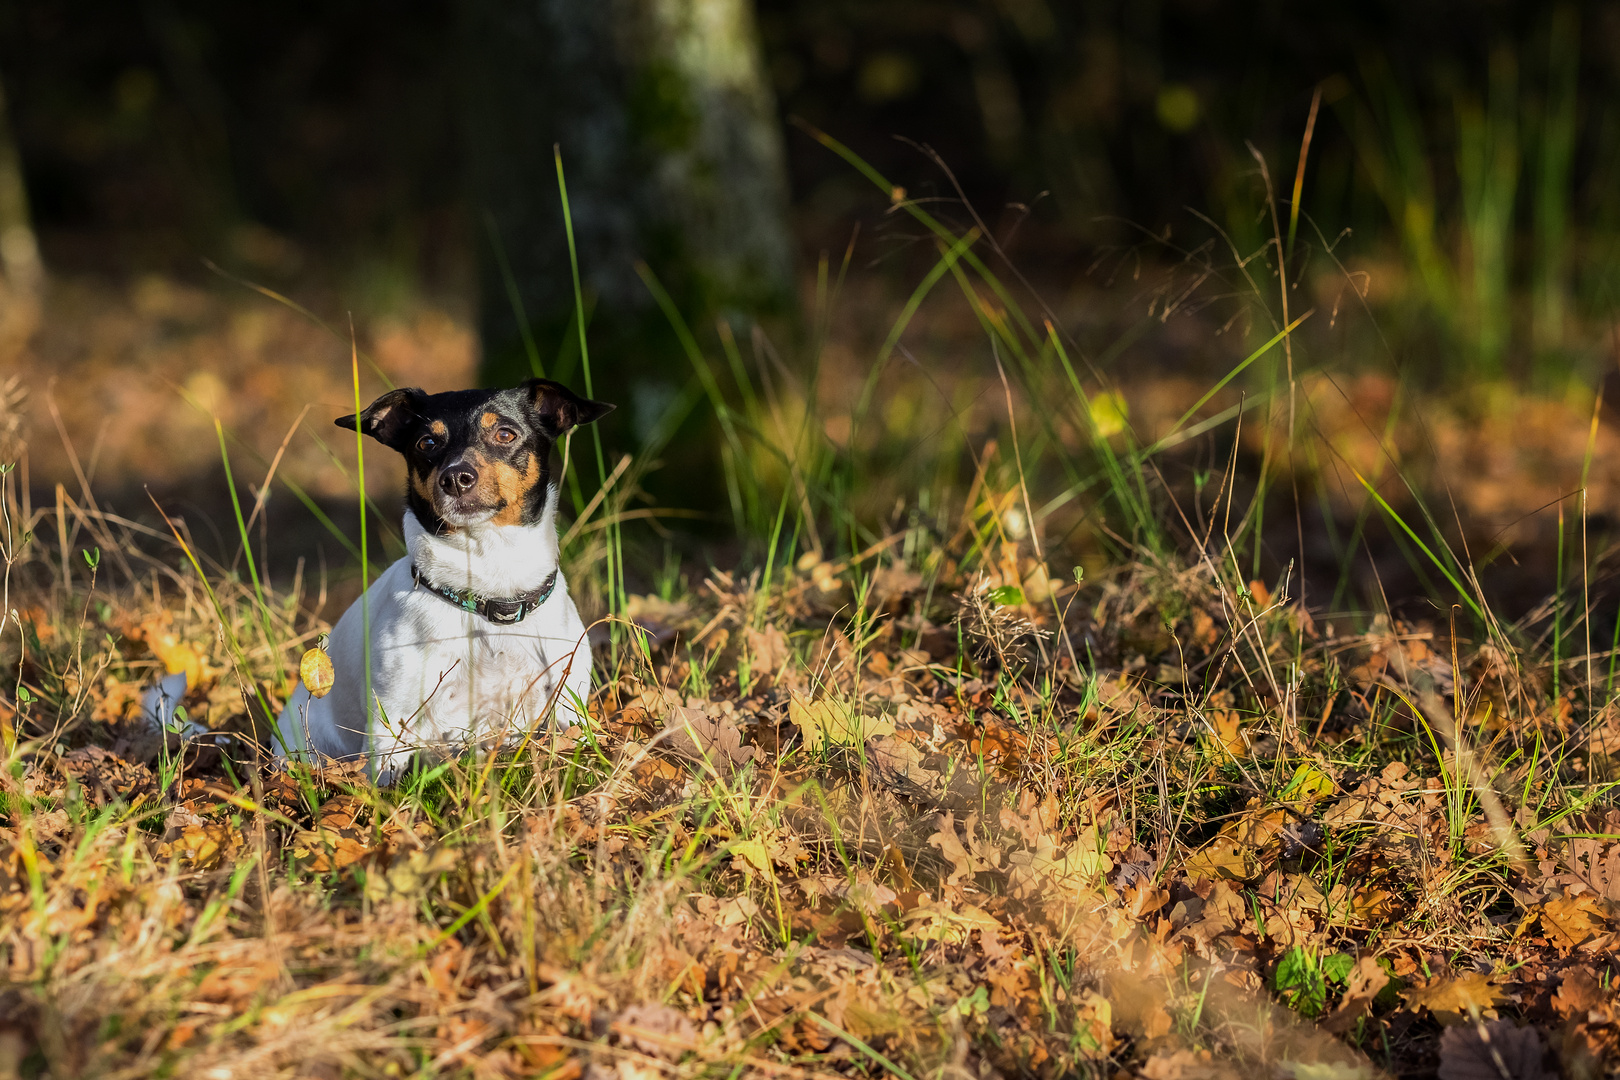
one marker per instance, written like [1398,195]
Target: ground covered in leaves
[868,817]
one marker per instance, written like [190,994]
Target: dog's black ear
[560,410]
[388,419]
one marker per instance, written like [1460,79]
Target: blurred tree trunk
[21,275]
[669,136]
[19,253]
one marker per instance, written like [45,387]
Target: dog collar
[497,609]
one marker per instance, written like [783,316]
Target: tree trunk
[669,137]
[19,253]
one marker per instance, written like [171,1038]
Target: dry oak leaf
[1363,904]
[708,735]
[235,984]
[827,723]
[768,650]
[118,701]
[1367,979]
[1077,870]
[1580,998]
[752,856]
[1329,1070]
[106,773]
[1452,999]
[1228,734]
[899,765]
[655,1030]
[965,859]
[205,845]
[1577,922]
[1187,1065]
[1498,1050]
[934,920]
[410,874]
[1223,858]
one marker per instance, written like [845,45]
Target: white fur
[440,674]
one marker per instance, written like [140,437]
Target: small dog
[472,635]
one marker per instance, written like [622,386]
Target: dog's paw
[162,711]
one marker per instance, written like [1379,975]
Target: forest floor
[880,816]
[948,807]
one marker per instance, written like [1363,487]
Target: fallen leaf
[708,736]
[1366,981]
[1229,738]
[1575,921]
[655,1030]
[826,723]
[1186,1065]
[753,854]
[1223,858]
[768,650]
[899,765]
[1077,869]
[1453,999]
[965,862]
[410,874]
[938,921]
[1579,997]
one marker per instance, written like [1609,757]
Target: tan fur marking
[424,485]
[513,488]
[488,420]
[438,428]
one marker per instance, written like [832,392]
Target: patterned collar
[497,609]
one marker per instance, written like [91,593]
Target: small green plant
[1304,978]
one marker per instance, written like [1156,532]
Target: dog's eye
[427,443]
[505,435]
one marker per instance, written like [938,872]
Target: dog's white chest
[439,674]
[462,675]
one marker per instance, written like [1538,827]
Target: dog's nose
[457,478]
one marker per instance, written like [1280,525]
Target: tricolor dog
[472,636]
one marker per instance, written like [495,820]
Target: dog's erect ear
[389,418]
[559,409]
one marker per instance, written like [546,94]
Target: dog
[472,636]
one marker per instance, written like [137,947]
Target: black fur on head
[476,456]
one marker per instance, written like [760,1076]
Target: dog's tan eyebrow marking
[438,428]
[489,420]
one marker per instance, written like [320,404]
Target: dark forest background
[319,138]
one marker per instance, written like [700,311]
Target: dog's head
[476,456]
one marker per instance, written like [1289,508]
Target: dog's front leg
[391,746]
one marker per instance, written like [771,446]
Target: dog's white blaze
[440,675]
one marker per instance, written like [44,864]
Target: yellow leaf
[754,854]
[1222,858]
[177,656]
[939,921]
[1308,782]
[315,672]
[826,723]
[1229,739]
[1109,413]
